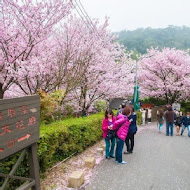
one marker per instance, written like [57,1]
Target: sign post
[19,130]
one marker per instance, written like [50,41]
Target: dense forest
[142,39]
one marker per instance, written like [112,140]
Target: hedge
[57,141]
[139,118]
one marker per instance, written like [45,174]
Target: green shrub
[139,117]
[100,105]
[185,107]
[155,101]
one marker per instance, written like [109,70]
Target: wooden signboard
[19,130]
[19,124]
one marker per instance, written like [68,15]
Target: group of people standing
[149,114]
[120,129]
[173,117]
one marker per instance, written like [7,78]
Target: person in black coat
[186,123]
[129,141]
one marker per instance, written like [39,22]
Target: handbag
[111,134]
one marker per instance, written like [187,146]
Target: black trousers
[129,141]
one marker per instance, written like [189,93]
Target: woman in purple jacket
[122,127]
[107,128]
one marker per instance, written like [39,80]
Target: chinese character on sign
[32,121]
[11,143]
[5,130]
[24,110]
[11,112]
[20,124]
[1,116]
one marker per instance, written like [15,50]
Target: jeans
[169,125]
[119,150]
[129,142]
[160,126]
[183,128]
[109,151]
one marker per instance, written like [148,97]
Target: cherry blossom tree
[23,25]
[106,70]
[166,74]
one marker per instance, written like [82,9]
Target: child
[186,123]
[122,124]
[179,118]
[160,116]
[107,124]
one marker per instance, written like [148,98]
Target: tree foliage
[142,39]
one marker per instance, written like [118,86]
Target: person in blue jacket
[186,123]
[129,141]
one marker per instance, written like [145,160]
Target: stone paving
[159,162]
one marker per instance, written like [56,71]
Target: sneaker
[116,161]
[126,152]
[108,158]
[112,156]
[123,162]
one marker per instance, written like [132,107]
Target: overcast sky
[132,14]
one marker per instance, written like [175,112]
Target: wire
[87,16]
[80,15]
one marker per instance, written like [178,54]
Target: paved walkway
[158,162]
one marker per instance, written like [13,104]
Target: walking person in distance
[169,121]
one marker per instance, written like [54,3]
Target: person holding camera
[108,133]
[122,126]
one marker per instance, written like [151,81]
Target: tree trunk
[1,91]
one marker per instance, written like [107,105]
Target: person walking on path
[169,121]
[122,124]
[129,141]
[143,111]
[160,116]
[186,123]
[179,118]
[108,133]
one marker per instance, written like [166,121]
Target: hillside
[144,38]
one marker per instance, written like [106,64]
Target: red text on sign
[5,130]
[1,116]
[24,110]
[32,121]
[11,143]
[20,124]
[11,112]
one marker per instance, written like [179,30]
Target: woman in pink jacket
[107,124]
[122,124]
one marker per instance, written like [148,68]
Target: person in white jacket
[143,111]
[149,115]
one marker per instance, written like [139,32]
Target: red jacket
[105,125]
[122,124]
